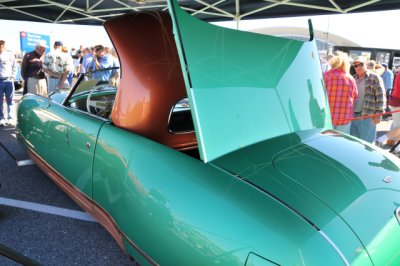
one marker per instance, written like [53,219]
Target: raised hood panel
[245,87]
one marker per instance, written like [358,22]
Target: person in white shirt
[56,65]
[8,72]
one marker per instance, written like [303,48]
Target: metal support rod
[215,8]
[65,10]
[361,5]
[207,7]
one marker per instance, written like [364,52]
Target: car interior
[98,98]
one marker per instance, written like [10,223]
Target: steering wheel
[103,104]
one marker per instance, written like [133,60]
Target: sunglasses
[358,65]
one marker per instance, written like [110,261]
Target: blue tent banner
[28,41]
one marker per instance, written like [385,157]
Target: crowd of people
[57,69]
[43,73]
[360,91]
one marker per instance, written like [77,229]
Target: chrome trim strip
[335,247]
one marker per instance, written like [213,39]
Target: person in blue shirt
[101,60]
[387,77]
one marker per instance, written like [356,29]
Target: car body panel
[182,200]
[319,174]
[223,67]
[61,136]
[259,199]
[362,188]
[161,204]
[73,140]
[34,133]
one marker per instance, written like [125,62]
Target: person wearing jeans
[8,73]
[371,101]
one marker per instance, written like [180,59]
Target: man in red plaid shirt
[342,91]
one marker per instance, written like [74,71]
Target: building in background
[326,42]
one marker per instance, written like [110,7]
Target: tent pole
[237,16]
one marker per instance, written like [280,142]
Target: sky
[71,35]
[372,29]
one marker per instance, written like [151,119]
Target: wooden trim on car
[88,205]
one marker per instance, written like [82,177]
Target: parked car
[216,148]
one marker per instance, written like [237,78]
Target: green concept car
[215,148]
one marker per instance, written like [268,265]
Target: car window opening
[94,96]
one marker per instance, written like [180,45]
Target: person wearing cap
[8,72]
[56,65]
[371,101]
[32,70]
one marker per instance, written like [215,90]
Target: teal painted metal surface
[72,141]
[290,193]
[334,171]
[161,197]
[65,138]
[246,87]
[354,184]
[32,122]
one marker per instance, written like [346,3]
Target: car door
[71,143]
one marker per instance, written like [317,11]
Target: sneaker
[2,122]
[10,122]
[381,140]
[397,150]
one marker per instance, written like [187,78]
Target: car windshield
[94,92]
[89,80]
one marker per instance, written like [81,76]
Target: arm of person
[24,66]
[14,69]
[115,71]
[64,75]
[380,96]
[48,66]
[354,88]
[96,63]
[90,67]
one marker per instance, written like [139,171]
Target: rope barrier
[365,116]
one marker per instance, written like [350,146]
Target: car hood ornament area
[387,179]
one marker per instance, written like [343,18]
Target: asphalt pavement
[38,220]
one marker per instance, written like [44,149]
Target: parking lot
[40,221]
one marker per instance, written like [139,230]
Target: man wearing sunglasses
[371,100]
